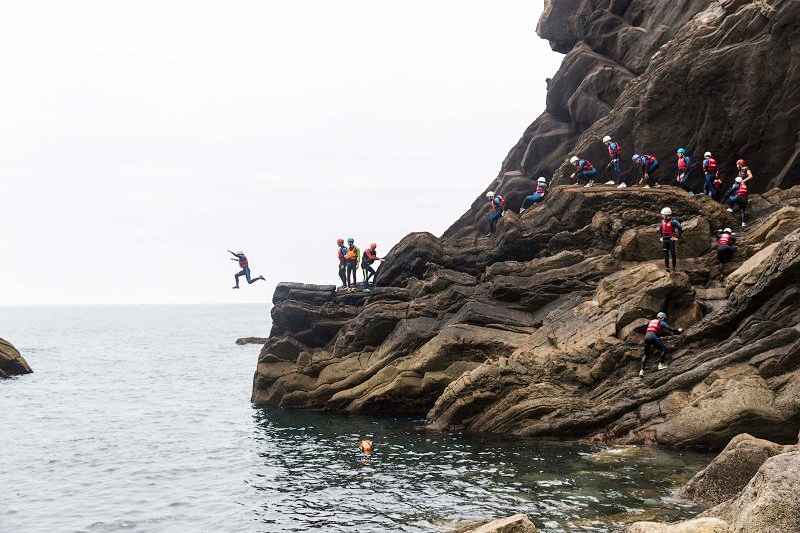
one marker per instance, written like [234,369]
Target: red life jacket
[683,165]
[614,150]
[242,261]
[725,239]
[341,252]
[711,165]
[654,326]
[585,165]
[741,192]
[498,203]
[650,159]
[666,228]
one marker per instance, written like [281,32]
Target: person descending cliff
[669,231]
[652,340]
[648,164]
[370,256]
[684,167]
[584,170]
[710,174]
[738,193]
[726,245]
[245,266]
[497,204]
[536,197]
[341,252]
[351,257]
[615,155]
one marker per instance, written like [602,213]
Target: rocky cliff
[11,361]
[538,331]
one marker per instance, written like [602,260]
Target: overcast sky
[140,140]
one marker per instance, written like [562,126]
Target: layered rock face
[11,361]
[538,332]
[706,75]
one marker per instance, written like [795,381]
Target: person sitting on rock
[584,170]
[648,165]
[652,340]
[341,252]
[726,245]
[615,154]
[710,174]
[370,256]
[245,266]
[738,193]
[536,197]
[497,204]
[351,257]
[669,231]
[684,167]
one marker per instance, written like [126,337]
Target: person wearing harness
[351,257]
[245,266]
[370,256]
[648,165]
[583,171]
[684,167]
[726,245]
[710,173]
[615,155]
[652,340]
[536,197]
[497,204]
[669,230]
[738,193]
[341,252]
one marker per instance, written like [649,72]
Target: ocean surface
[138,418]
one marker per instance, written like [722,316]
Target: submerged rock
[11,361]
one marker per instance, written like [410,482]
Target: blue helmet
[351,240]
[681,151]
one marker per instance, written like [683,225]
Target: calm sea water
[138,419]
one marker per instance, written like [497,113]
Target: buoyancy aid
[654,326]
[585,165]
[614,150]
[667,230]
[498,203]
[242,261]
[342,253]
[683,164]
[725,239]
[369,256]
[710,165]
[742,192]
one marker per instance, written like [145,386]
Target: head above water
[366,446]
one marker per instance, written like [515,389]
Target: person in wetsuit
[245,266]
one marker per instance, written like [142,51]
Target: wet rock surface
[11,361]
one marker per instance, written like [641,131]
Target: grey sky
[140,140]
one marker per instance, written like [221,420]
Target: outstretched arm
[233,254]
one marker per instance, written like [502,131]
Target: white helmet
[707,154]
[490,194]
[666,211]
[607,139]
[738,179]
[542,180]
[573,159]
[661,316]
[727,230]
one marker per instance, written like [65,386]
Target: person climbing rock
[351,257]
[648,164]
[615,155]
[370,256]
[341,252]
[710,174]
[584,170]
[652,340]
[245,266]
[726,245]
[536,197]
[669,232]
[497,204]
[738,193]
[684,167]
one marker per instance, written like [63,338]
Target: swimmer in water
[366,446]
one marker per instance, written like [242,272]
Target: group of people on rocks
[349,257]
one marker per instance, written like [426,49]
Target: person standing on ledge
[352,256]
[369,257]
[245,266]
[341,252]
[615,154]
[652,340]
[710,173]
[669,231]
[738,193]
[684,167]
[497,204]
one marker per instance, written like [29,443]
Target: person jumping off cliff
[536,197]
[615,156]
[497,204]
[669,230]
[341,252]
[684,168]
[652,340]
[738,193]
[351,256]
[726,245]
[370,256]
[245,266]
[583,171]
[710,173]
[648,165]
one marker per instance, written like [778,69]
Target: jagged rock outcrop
[518,523]
[11,361]
[538,333]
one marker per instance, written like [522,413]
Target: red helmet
[373,246]
[741,163]
[340,242]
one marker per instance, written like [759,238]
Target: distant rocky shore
[11,361]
